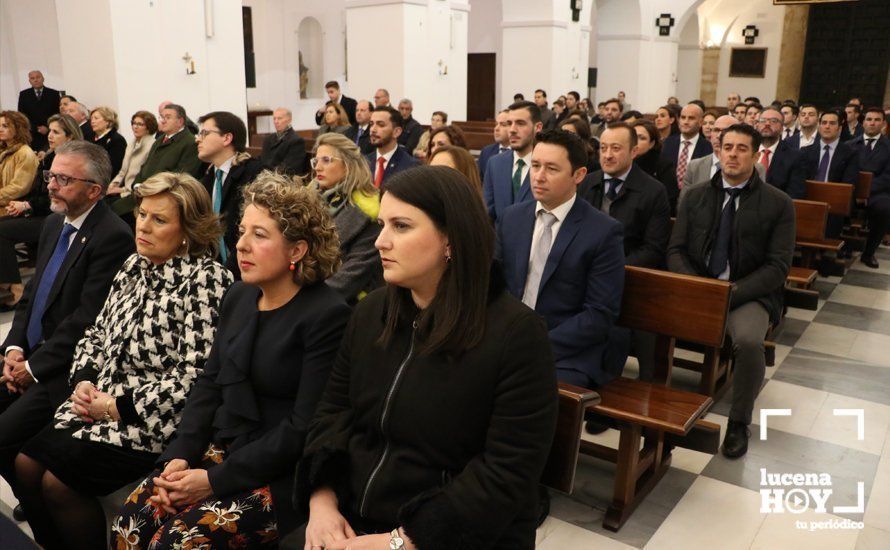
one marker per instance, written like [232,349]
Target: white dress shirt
[715,164]
[693,141]
[527,159]
[806,141]
[560,212]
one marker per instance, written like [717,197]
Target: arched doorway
[311,59]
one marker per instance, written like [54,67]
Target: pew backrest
[838,196]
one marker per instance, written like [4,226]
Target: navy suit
[497,186]
[781,168]
[846,135]
[844,168]
[486,153]
[671,148]
[400,160]
[581,288]
[877,161]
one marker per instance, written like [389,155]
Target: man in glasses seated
[82,246]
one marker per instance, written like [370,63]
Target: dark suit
[581,287]
[643,209]
[116,146]
[759,259]
[239,175]
[781,167]
[286,154]
[410,136]
[38,112]
[794,141]
[670,150]
[348,104]
[87,130]
[877,161]
[364,141]
[486,153]
[95,255]
[844,168]
[400,160]
[497,187]
[795,132]
[258,391]
[846,135]
[178,154]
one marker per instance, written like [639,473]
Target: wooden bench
[863,188]
[839,197]
[811,217]
[672,306]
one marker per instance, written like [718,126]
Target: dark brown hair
[454,321]
[455,136]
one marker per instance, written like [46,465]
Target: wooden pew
[672,306]
[863,188]
[839,197]
[810,217]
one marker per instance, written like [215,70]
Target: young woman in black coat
[648,158]
[437,421]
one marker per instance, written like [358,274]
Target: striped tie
[681,164]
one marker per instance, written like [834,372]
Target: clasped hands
[178,486]
[15,375]
[328,529]
[91,405]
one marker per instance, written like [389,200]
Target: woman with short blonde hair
[104,123]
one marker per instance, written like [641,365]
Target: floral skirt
[245,520]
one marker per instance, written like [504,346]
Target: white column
[543,48]
[414,48]
[112,55]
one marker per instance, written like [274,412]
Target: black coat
[877,161]
[96,254]
[239,175]
[116,146]
[781,168]
[456,445]
[256,399]
[664,171]
[349,106]
[410,136]
[287,154]
[364,142]
[88,133]
[763,244]
[38,112]
[642,208]
[844,167]
[38,196]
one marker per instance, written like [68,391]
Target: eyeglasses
[62,179]
[204,133]
[324,161]
[769,120]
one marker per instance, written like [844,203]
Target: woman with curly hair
[225,481]
[445,135]
[18,162]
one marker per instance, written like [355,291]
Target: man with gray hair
[82,246]
[411,129]
[284,151]
[38,103]
[79,112]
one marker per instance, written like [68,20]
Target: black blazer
[258,391]
[116,146]
[642,208]
[664,171]
[846,135]
[877,161]
[670,149]
[844,167]
[239,175]
[410,136]
[287,155]
[38,112]
[781,167]
[78,293]
[763,244]
[400,160]
[38,197]
[468,437]
[349,106]
[87,131]
[364,142]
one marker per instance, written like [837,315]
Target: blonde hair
[108,114]
[358,174]
[201,226]
[301,215]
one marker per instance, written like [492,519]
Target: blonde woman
[342,177]
[103,121]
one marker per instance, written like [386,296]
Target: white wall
[689,62]
[29,40]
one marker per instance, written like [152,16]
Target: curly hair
[301,215]
[200,226]
[455,136]
[20,127]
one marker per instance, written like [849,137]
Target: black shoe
[18,513]
[870,261]
[595,428]
[543,505]
[735,444]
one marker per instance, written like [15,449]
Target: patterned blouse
[149,344]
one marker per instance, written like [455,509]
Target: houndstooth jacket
[148,344]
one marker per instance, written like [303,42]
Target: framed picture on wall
[747,62]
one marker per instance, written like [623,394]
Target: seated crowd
[362,350]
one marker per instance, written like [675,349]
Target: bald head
[163,105]
[690,120]
[721,124]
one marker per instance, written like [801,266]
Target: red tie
[166,139]
[378,175]
[764,160]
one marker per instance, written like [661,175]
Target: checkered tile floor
[835,358]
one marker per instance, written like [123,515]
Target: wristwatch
[395,541]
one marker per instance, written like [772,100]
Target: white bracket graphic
[764,413]
[860,506]
[860,420]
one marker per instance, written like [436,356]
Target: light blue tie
[217,204]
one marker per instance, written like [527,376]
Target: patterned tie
[217,206]
[764,160]
[35,322]
[517,178]
[39,93]
[720,254]
[539,259]
[612,188]
[681,164]
[378,174]
[822,174]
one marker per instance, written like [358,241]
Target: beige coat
[135,156]
[17,170]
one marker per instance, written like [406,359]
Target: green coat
[179,154]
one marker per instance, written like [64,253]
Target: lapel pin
[83,240]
